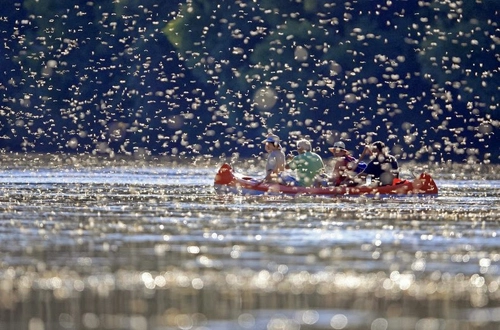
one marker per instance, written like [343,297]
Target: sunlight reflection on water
[154,247]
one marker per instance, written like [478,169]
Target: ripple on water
[156,247]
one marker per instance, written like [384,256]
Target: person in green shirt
[307,164]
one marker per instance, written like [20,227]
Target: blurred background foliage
[204,77]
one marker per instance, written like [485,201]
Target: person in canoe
[383,167]
[307,164]
[346,166]
[276,159]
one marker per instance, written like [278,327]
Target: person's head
[378,147]
[303,145]
[272,142]
[338,149]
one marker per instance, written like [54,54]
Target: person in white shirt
[276,159]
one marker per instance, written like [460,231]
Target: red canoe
[228,182]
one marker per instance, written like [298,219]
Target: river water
[124,244]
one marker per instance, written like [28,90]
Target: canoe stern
[224,176]
[425,184]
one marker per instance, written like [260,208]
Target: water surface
[149,245]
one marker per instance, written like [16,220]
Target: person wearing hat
[307,164]
[346,166]
[383,167]
[276,159]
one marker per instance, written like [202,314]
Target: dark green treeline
[212,77]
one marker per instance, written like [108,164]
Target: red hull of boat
[226,181]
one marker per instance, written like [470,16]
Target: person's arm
[395,167]
[270,168]
[354,164]
[290,164]
[366,151]
[269,174]
[267,178]
[336,171]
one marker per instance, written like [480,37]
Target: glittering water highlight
[149,245]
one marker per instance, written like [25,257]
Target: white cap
[304,144]
[337,145]
[272,139]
